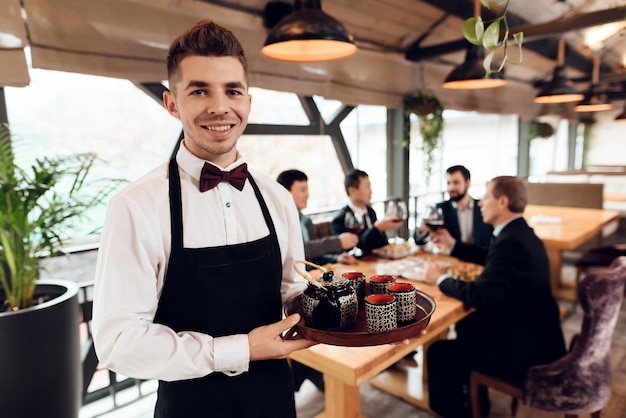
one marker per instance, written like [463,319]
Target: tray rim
[361,338]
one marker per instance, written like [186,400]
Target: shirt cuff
[231,354]
[441,279]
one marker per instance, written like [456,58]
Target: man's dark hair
[288,177]
[353,179]
[206,38]
[514,188]
[461,169]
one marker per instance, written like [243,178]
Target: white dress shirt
[466,221]
[132,265]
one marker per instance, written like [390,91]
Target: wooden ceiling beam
[532,33]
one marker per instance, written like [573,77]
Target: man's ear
[503,202]
[170,104]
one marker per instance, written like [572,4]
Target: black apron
[220,291]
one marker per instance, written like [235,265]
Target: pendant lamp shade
[594,100]
[308,35]
[471,74]
[560,89]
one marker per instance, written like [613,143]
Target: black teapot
[330,304]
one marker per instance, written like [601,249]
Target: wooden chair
[580,382]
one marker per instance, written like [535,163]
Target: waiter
[196,256]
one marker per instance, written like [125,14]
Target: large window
[64,113]
[485,144]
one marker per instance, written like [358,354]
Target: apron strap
[176,205]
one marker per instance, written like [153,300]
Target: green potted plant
[429,111]
[40,353]
[538,129]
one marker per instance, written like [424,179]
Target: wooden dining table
[346,368]
[565,228]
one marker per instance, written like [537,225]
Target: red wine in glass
[434,224]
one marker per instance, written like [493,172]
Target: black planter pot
[40,368]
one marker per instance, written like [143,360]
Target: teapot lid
[329,279]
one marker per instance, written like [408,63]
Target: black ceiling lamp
[308,35]
[471,74]
[560,89]
[594,100]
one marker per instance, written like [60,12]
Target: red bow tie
[211,176]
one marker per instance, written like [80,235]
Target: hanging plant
[429,112]
[538,129]
[492,38]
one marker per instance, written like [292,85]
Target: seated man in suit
[317,250]
[371,230]
[461,215]
[516,324]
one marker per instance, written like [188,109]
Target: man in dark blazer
[516,323]
[461,214]
[372,234]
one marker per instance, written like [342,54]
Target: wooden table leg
[559,290]
[409,382]
[342,400]
[555,259]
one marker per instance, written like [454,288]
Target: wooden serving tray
[356,334]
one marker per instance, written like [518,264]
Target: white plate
[417,272]
[407,268]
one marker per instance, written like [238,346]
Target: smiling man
[461,215]
[196,256]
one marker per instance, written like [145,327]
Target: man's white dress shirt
[133,258]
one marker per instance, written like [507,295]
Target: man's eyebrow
[235,85]
[196,84]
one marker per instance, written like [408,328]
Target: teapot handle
[307,276]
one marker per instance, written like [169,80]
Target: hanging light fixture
[594,100]
[560,89]
[471,74]
[308,35]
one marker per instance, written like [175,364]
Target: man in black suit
[516,323]
[372,235]
[461,214]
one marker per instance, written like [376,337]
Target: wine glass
[356,225]
[432,217]
[396,208]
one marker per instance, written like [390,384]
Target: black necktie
[211,176]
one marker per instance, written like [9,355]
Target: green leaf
[491,38]
[519,38]
[473,30]
[486,3]
[487,62]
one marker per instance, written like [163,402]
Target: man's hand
[266,342]
[348,240]
[388,223]
[442,238]
[345,258]
[433,271]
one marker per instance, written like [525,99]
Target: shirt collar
[357,211]
[498,229]
[193,165]
[455,205]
